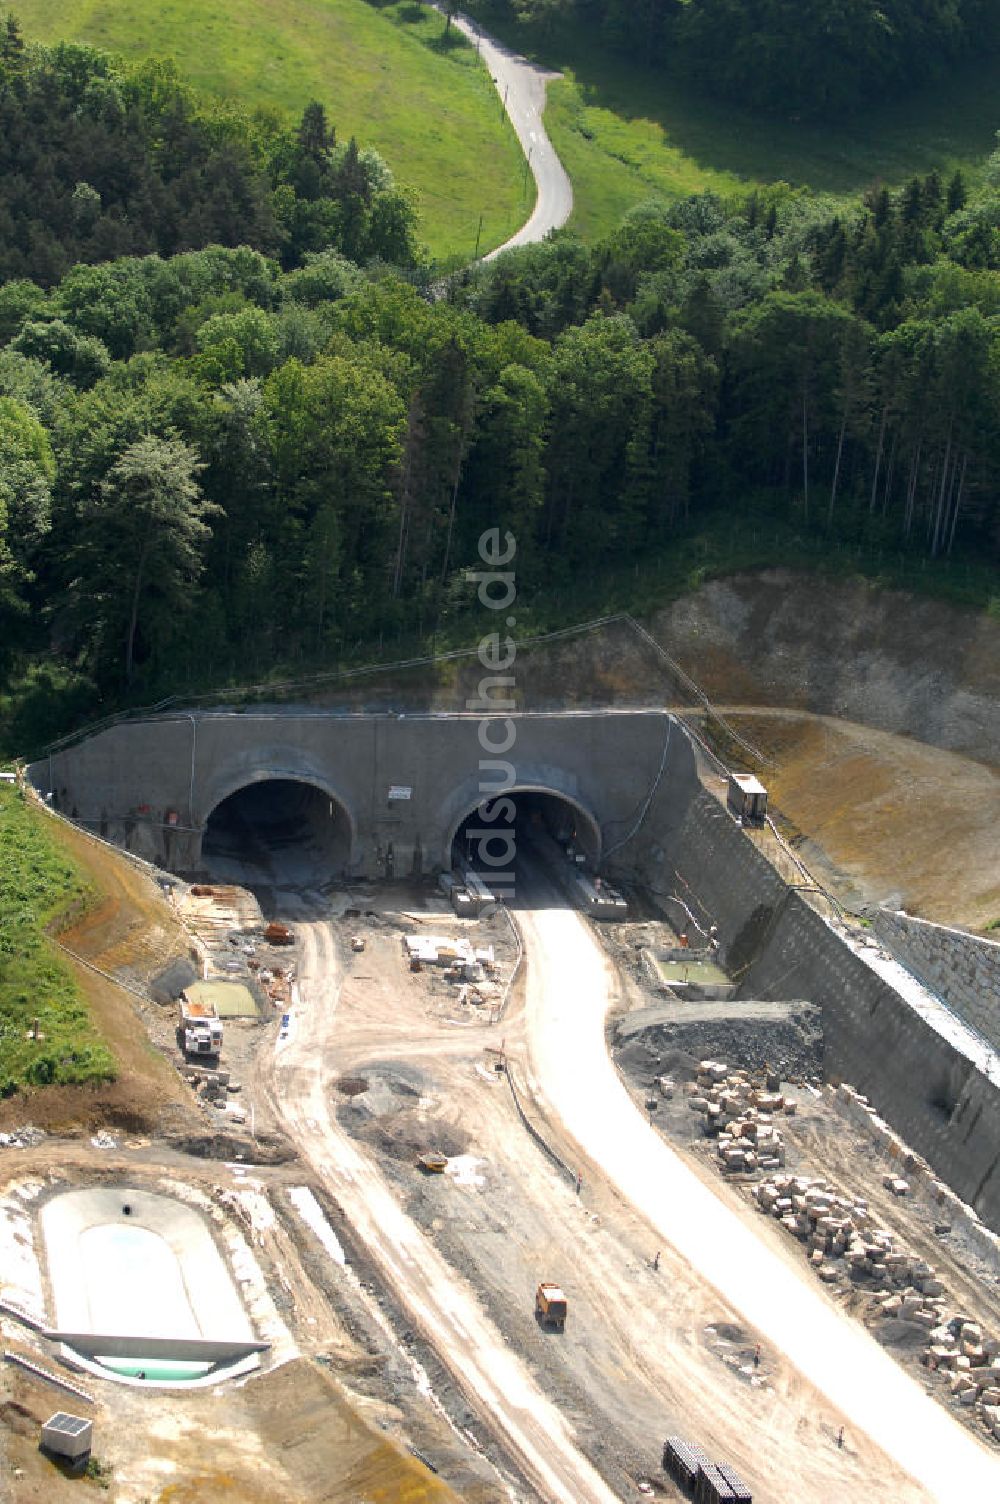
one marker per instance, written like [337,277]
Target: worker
[579,1182]
[656,1260]
[840,1437]
[756,1356]
[683,940]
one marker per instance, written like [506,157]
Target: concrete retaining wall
[778,947]
[919,1081]
[855,1109]
[921,1078]
[964,969]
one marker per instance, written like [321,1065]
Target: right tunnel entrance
[489,837]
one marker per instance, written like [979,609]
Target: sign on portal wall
[400,791]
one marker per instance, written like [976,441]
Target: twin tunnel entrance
[287,831]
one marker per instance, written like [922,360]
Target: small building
[747,798]
[68,1436]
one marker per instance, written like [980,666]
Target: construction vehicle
[433,1163]
[199,1028]
[277,933]
[550,1305]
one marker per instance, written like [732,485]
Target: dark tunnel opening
[525,822]
[277,830]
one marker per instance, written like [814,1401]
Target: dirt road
[568,993]
[495,1383]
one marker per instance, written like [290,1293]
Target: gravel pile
[787,1038]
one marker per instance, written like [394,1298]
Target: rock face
[886,658]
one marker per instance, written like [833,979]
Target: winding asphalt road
[521,87]
[568,997]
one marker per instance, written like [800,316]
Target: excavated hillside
[881,718]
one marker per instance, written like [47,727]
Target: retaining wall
[964,969]
[923,1085]
[778,947]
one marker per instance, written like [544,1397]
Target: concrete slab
[132,1264]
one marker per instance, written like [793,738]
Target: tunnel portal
[277,829]
[489,837]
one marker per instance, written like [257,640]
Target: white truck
[199,1028]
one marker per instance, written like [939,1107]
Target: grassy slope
[626,133]
[381,72]
[38,883]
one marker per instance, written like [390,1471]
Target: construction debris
[464,961]
[843,1241]
[741,1112]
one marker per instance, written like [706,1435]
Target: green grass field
[381,72]
[626,133]
[38,883]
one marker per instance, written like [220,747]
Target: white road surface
[521,86]
[568,999]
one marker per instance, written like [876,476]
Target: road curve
[567,1001]
[496,1384]
[521,86]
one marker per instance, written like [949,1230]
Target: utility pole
[503,107]
[475,254]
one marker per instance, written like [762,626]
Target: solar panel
[67,1425]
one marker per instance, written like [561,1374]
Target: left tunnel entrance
[278,830]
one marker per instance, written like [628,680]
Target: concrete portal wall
[127,782]
[964,969]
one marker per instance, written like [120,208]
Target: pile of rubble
[214,1088]
[843,1241]
[971,1363]
[742,1113]
[841,1227]
[28,1137]
[277,982]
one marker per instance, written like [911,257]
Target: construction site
[650,1151]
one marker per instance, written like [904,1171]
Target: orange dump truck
[550,1305]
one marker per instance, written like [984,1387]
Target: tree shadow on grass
[432,33]
[948,122]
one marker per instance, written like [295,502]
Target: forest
[222,460]
[101,159]
[799,58]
